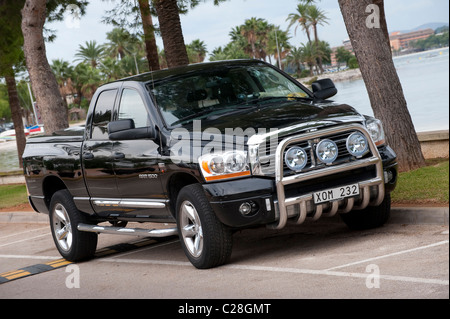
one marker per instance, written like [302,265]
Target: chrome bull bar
[299,207]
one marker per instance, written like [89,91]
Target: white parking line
[389,255]
[24,232]
[282,270]
[22,240]
[29,257]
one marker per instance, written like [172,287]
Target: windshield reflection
[217,90]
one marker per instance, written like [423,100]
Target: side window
[132,107]
[102,115]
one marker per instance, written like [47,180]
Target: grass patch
[13,195]
[426,185]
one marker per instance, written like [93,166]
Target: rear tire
[71,243]
[206,242]
[370,217]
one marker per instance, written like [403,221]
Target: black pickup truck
[212,147]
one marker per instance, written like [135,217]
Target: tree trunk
[171,32]
[43,82]
[16,114]
[383,22]
[382,83]
[316,37]
[149,35]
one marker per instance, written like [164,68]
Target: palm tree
[278,42]
[301,18]
[251,31]
[295,58]
[309,56]
[238,42]
[119,42]
[171,32]
[86,80]
[316,17]
[91,53]
[63,73]
[197,51]
[110,69]
[231,51]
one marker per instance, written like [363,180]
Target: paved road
[408,258]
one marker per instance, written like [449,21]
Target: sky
[212,24]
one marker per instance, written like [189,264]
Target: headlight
[223,166]
[375,128]
[357,144]
[296,158]
[327,151]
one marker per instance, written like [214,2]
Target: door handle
[118,155]
[88,156]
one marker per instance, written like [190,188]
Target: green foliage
[11,39]
[432,42]
[231,51]
[353,63]
[196,51]
[343,55]
[5,111]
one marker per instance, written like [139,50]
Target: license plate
[336,193]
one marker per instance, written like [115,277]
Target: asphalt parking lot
[407,258]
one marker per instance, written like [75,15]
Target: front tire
[71,243]
[206,242]
[370,217]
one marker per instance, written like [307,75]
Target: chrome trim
[106,203]
[139,232]
[326,209]
[153,204]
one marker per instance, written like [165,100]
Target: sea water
[425,80]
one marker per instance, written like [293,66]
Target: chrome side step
[139,232]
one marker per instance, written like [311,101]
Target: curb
[419,215]
[399,215]
[24,218]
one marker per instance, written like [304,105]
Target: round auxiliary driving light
[245,208]
[296,158]
[327,151]
[357,144]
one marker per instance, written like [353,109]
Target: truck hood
[237,126]
[285,117]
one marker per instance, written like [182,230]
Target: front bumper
[277,200]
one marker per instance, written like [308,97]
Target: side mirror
[324,89]
[125,130]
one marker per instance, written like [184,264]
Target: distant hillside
[432,25]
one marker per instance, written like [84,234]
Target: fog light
[357,144]
[327,151]
[296,158]
[245,208]
[388,176]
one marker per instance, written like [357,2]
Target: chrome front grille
[267,151]
[371,188]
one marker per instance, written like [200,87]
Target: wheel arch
[174,185]
[50,186]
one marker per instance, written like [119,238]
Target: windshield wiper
[257,100]
[192,116]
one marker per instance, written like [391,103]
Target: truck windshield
[218,90]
